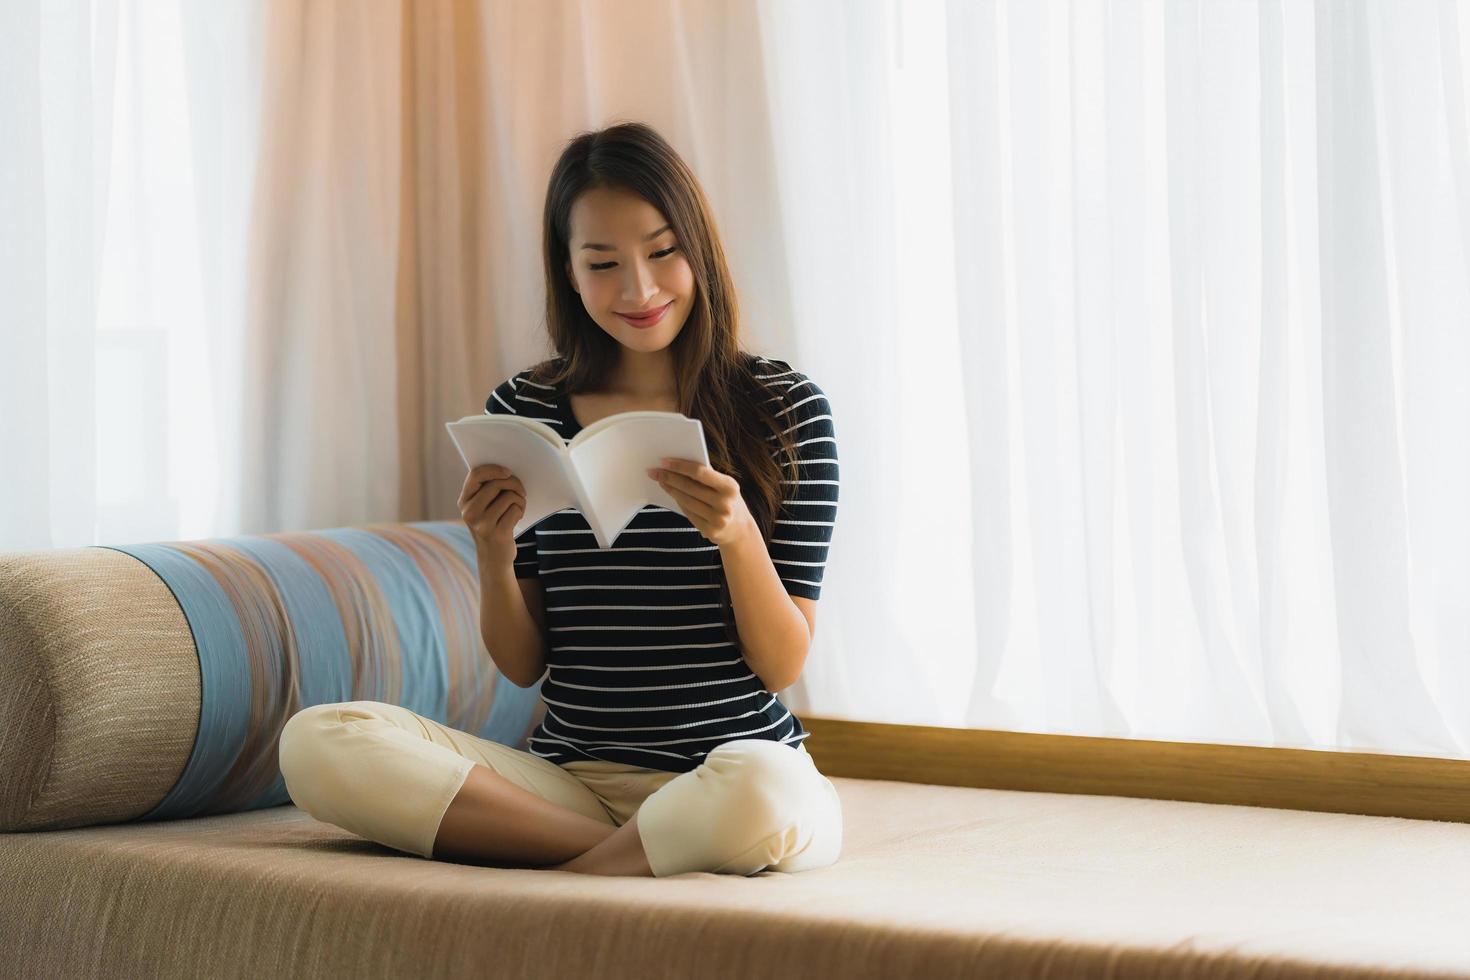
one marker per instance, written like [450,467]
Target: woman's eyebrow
[609,248]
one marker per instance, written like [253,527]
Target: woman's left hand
[710,499]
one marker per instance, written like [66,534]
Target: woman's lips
[650,319]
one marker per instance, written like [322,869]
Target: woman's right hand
[490,503]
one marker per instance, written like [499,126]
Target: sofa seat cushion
[932,881]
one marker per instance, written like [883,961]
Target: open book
[600,472]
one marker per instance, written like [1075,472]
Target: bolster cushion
[152,681]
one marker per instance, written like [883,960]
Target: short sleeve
[803,529]
[504,400]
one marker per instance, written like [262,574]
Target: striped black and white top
[641,670]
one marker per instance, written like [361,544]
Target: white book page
[532,451]
[612,455]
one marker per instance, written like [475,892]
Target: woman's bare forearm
[512,637]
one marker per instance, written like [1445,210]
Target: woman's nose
[639,284]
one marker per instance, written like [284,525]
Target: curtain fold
[1387,319]
[1238,308]
[57,62]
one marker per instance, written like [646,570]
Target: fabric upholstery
[145,685]
[152,681]
[933,881]
[99,688]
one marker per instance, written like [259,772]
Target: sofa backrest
[152,681]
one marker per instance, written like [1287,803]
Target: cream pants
[388,774]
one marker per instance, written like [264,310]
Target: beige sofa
[146,834]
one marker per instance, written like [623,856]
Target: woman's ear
[573,280]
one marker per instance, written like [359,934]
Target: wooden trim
[1328,781]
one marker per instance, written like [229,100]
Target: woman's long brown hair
[714,375]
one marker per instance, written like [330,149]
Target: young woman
[664,747]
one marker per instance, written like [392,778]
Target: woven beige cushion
[99,688]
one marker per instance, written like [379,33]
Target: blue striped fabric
[385,612]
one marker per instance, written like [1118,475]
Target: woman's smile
[650,318]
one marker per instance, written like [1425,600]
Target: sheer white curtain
[1149,330]
[124,177]
[56,105]
[1146,325]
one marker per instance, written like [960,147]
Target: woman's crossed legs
[389,774]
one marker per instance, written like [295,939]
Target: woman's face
[625,260]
